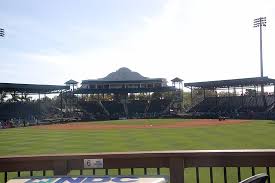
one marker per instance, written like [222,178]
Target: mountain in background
[123,74]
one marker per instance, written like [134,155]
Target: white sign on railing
[93,163]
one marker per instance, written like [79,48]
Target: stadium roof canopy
[32,88]
[232,83]
[124,90]
[176,79]
[123,75]
[71,82]
[102,81]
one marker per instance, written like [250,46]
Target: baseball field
[142,135]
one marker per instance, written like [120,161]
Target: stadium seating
[158,106]
[25,110]
[245,106]
[205,105]
[18,110]
[114,108]
[91,107]
[136,107]
[132,109]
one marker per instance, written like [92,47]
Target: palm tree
[3,95]
[14,97]
[25,97]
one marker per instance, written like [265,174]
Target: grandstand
[121,94]
[17,104]
[128,94]
[242,99]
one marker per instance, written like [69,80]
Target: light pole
[259,22]
[2,32]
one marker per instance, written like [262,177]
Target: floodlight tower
[259,22]
[2,32]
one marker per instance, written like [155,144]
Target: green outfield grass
[20,141]
[252,135]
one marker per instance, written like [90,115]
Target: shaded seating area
[204,106]
[132,109]
[18,110]
[91,106]
[91,110]
[246,96]
[234,103]
[136,107]
[17,105]
[158,106]
[114,108]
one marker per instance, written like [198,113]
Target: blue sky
[51,41]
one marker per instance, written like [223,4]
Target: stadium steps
[192,108]
[147,107]
[168,107]
[270,100]
[104,109]
[125,107]
[270,108]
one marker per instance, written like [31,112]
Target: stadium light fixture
[2,32]
[259,22]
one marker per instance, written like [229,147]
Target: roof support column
[39,105]
[255,88]
[216,95]
[256,95]
[262,89]
[242,95]
[203,93]
[191,95]
[61,103]
[228,97]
